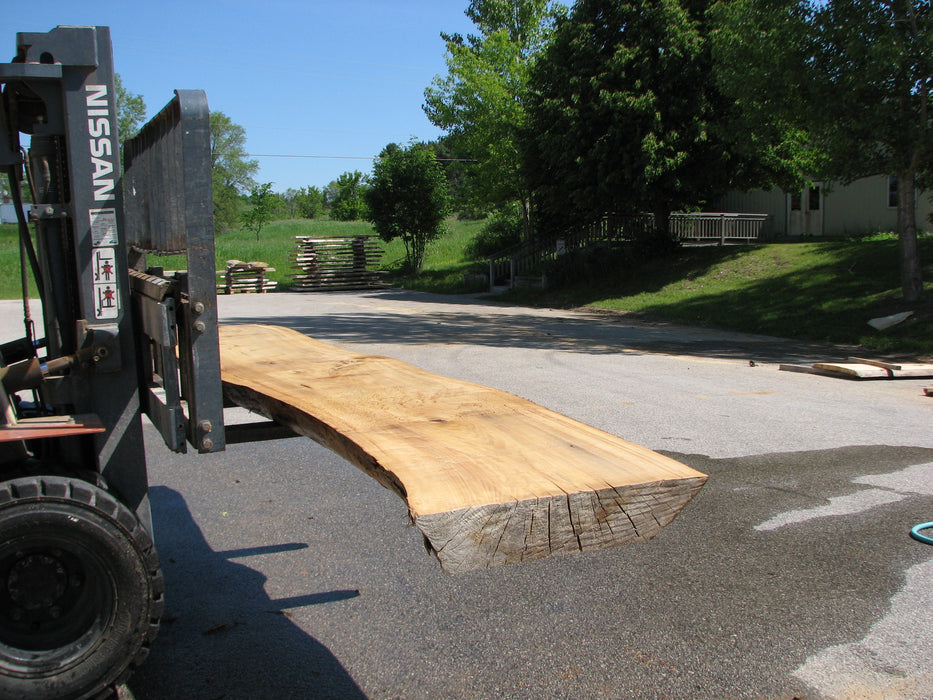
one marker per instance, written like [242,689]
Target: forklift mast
[80,584]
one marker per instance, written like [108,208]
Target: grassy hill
[825,290]
[822,290]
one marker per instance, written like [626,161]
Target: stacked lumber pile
[246,277]
[489,478]
[335,263]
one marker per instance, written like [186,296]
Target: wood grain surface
[489,478]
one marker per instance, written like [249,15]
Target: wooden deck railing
[720,227]
[509,266]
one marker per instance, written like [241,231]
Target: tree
[232,171]
[760,56]
[308,202]
[346,199]
[623,116]
[262,202]
[481,101]
[847,93]
[874,63]
[525,22]
[408,199]
[455,169]
[131,110]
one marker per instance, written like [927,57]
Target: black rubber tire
[80,589]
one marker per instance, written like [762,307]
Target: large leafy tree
[623,115]
[873,62]
[232,170]
[345,197]
[835,90]
[525,22]
[408,198]
[760,56]
[481,100]
[308,202]
[131,110]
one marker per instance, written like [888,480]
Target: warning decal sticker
[104,240]
[103,227]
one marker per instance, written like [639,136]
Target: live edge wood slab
[489,478]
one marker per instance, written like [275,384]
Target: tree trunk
[660,243]
[527,220]
[911,274]
[662,223]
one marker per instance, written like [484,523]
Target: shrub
[501,232]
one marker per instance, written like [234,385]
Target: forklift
[81,592]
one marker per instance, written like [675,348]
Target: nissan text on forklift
[81,592]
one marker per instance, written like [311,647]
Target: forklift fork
[80,584]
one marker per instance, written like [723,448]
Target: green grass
[823,290]
[10,279]
[276,241]
[444,263]
[442,272]
[820,291]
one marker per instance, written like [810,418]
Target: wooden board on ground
[864,369]
[904,370]
[489,478]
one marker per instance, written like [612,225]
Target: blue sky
[336,79]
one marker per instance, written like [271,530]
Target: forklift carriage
[81,592]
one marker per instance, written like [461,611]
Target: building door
[805,212]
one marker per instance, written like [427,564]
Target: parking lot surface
[291,574]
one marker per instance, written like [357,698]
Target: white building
[831,209]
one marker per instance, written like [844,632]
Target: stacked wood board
[335,263]
[862,368]
[247,277]
[489,478]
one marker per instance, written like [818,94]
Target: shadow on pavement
[221,635]
[589,331]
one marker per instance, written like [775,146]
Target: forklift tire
[80,589]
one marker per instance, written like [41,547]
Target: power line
[293,155]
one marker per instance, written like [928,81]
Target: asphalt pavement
[291,574]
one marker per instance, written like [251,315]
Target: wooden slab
[874,363]
[860,370]
[864,369]
[489,478]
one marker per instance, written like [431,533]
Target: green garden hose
[915,533]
